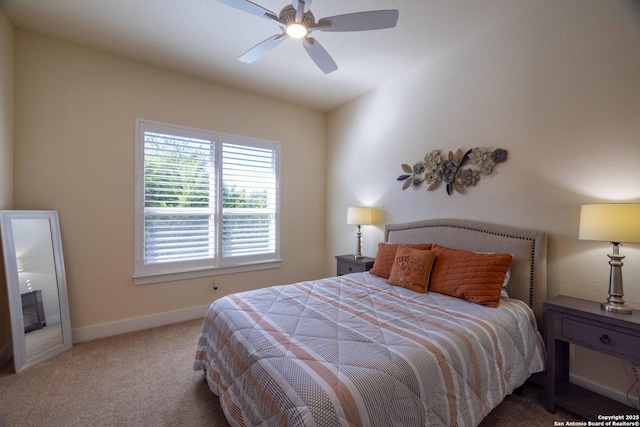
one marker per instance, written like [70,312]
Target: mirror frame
[20,359]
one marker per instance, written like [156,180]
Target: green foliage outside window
[176,182]
[183,182]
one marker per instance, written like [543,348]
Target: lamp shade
[359,215]
[610,222]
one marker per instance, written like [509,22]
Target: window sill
[193,274]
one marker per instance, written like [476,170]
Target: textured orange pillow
[386,254]
[475,277]
[411,268]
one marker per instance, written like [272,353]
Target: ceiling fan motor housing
[288,16]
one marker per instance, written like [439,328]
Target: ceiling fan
[298,22]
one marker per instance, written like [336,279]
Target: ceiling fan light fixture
[296,30]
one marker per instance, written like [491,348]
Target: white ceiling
[203,38]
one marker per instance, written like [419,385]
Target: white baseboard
[51,320]
[5,355]
[138,323]
[611,393]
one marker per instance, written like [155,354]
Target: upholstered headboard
[528,280]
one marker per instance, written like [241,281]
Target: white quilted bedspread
[355,351]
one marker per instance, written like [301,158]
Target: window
[204,201]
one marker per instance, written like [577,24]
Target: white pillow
[503,292]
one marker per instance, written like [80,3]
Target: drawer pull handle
[604,339]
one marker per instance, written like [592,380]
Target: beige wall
[6,164]
[75,115]
[559,88]
[6,112]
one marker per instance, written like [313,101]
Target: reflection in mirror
[37,286]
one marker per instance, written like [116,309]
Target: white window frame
[162,272]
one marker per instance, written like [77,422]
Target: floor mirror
[37,288]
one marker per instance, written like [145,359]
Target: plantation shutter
[179,198]
[204,201]
[249,174]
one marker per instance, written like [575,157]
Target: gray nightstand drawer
[602,338]
[348,268]
[349,264]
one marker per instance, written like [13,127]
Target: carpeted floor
[145,379]
[41,339]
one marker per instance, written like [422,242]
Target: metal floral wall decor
[457,171]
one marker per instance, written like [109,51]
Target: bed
[355,350]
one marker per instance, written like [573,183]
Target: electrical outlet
[628,367]
[214,288]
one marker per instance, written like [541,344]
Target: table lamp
[360,216]
[615,223]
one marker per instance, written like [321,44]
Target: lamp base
[358,254]
[615,307]
[615,302]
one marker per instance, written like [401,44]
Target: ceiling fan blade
[261,49]
[319,55]
[306,6]
[299,6]
[249,7]
[360,21]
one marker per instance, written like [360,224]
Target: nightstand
[32,311]
[585,324]
[349,264]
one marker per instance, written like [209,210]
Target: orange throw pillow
[475,277]
[411,268]
[386,254]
